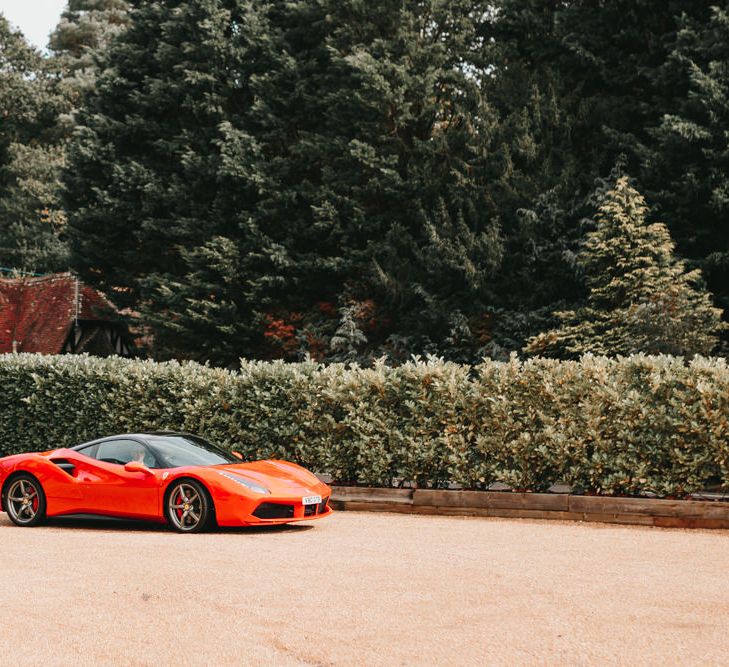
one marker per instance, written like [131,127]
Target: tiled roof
[38,313]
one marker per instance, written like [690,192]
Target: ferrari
[164,477]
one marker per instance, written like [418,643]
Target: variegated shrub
[615,426]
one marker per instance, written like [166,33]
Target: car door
[110,489]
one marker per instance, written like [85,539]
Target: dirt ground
[364,589]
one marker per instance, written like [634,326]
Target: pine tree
[373,138]
[584,84]
[641,297]
[42,94]
[159,186]
[245,159]
[81,38]
[31,218]
[686,165]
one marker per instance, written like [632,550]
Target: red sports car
[165,477]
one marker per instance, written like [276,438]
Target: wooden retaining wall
[564,507]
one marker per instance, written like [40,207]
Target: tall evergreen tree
[81,38]
[578,85]
[418,172]
[154,188]
[685,166]
[244,159]
[31,218]
[41,94]
[379,158]
[641,297]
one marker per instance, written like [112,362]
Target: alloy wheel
[187,507]
[23,501]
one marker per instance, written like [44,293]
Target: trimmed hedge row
[625,426]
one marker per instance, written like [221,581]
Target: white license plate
[311,500]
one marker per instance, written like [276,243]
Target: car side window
[122,452]
[89,451]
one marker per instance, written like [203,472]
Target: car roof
[143,435]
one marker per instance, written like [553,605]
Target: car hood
[280,477]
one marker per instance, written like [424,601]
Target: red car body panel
[107,489]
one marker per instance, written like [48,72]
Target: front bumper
[274,511]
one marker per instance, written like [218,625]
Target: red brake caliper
[179,501]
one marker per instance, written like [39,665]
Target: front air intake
[274,511]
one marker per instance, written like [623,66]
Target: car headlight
[249,484]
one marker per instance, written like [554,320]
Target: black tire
[24,500]
[189,507]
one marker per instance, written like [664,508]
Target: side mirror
[237,455]
[136,466]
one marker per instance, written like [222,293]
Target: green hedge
[625,426]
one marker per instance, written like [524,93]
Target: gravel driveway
[359,588]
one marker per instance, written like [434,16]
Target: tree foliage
[641,297]
[154,174]
[579,86]
[686,161]
[80,40]
[347,180]
[331,152]
[31,217]
[39,95]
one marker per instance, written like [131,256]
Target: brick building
[58,314]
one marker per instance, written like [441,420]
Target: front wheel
[189,508]
[25,501]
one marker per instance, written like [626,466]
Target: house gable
[44,314]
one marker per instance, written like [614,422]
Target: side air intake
[65,465]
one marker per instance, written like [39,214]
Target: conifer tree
[31,217]
[243,158]
[158,192]
[372,153]
[686,163]
[641,297]
[42,94]
[81,38]
[585,84]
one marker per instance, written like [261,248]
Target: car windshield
[179,450]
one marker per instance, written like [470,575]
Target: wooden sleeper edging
[564,507]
